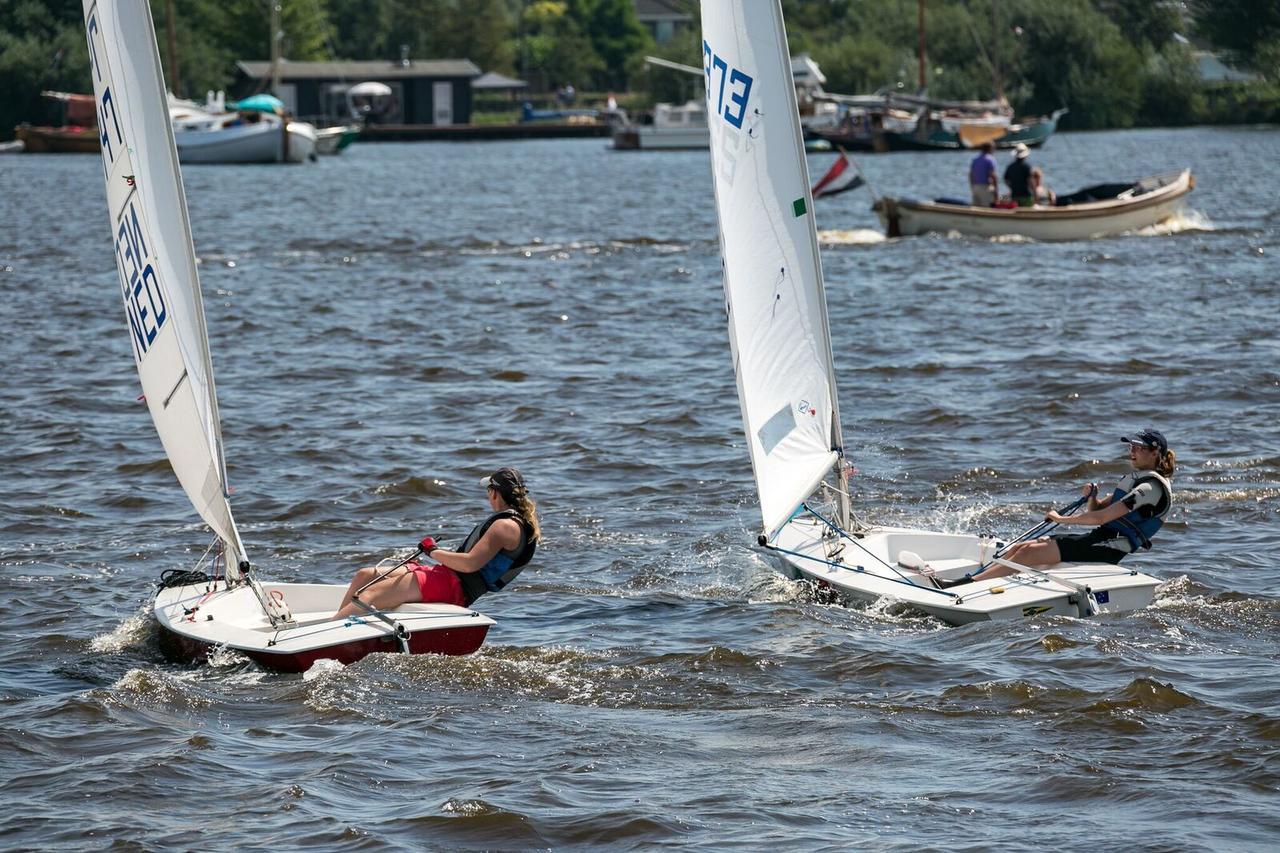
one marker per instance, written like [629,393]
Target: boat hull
[866,570]
[648,138]
[905,217]
[942,138]
[196,619]
[58,140]
[332,140]
[263,142]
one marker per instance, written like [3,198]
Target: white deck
[235,619]
[865,569]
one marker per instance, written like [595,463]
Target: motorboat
[247,136]
[334,140]
[1095,211]
[220,602]
[671,126]
[780,342]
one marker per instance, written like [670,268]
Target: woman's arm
[503,535]
[1092,517]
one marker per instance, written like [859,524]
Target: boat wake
[1183,220]
[134,631]
[851,237]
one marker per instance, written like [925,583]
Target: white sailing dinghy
[782,356]
[284,626]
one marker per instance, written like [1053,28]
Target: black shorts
[1088,548]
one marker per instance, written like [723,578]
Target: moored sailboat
[782,354]
[283,626]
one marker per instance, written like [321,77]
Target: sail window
[777,428]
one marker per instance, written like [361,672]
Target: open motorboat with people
[781,345]
[284,626]
[1095,211]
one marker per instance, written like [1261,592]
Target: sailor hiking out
[489,558]
[1123,522]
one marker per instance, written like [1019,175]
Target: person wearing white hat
[486,561]
[1018,177]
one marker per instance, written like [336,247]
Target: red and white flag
[840,177]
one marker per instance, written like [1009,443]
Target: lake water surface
[391,324]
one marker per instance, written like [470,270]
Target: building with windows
[433,91]
[664,18]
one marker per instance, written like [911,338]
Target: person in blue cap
[1123,522]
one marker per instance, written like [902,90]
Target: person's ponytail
[526,509]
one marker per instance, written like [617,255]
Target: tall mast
[171,37]
[920,49]
[275,49]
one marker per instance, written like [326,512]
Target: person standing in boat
[1017,175]
[1124,521]
[489,558]
[1044,197]
[982,176]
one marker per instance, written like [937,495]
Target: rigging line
[853,516]
[846,535]
[859,570]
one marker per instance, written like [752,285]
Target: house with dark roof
[665,18]
[432,91]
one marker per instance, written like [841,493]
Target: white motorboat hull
[261,142]
[332,140]
[903,217]
[805,547]
[649,138]
[195,620]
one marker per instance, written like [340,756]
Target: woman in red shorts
[487,560]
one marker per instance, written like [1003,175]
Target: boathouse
[433,91]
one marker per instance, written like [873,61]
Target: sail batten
[776,306]
[155,259]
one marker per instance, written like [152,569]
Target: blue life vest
[1140,524]
[503,567]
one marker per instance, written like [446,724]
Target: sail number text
[725,84]
[139,282]
[143,296]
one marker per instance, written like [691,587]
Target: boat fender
[912,561]
[1139,525]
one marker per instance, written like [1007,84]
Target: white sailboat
[782,356]
[284,626]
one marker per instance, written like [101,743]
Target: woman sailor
[1123,521]
[487,560]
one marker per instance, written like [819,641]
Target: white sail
[154,255]
[772,275]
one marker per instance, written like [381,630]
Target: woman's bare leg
[1033,554]
[398,587]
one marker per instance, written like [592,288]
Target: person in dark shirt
[1018,177]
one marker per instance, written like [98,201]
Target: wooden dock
[479,132]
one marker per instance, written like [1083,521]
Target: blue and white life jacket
[503,567]
[1141,523]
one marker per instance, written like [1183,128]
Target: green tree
[555,47]
[616,36]
[1243,27]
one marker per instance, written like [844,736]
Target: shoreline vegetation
[1114,63]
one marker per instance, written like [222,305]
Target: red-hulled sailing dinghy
[283,626]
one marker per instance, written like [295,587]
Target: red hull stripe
[445,641]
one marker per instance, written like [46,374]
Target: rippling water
[390,324]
